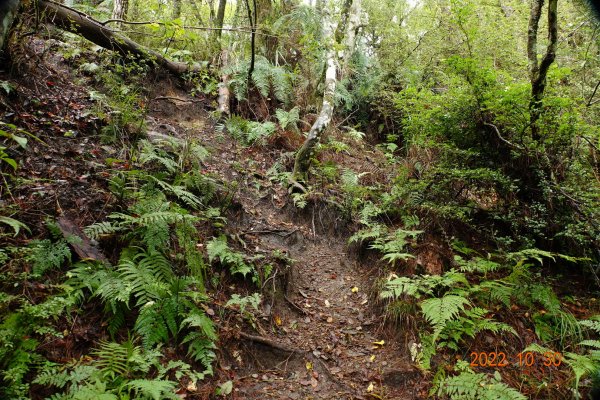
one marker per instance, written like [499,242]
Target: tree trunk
[224,95]
[303,157]
[8,11]
[252,18]
[84,25]
[120,9]
[220,16]
[349,21]
[538,71]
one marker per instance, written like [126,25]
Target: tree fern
[439,311]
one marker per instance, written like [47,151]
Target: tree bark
[349,21]
[303,157]
[252,18]
[120,9]
[220,16]
[84,25]
[8,12]
[224,95]
[538,71]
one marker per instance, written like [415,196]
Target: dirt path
[323,338]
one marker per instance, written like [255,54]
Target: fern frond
[151,326]
[112,359]
[593,324]
[148,274]
[95,231]
[154,389]
[471,386]
[496,291]
[439,311]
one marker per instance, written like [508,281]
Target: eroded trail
[320,336]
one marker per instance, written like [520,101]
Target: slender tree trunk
[120,9]
[538,71]
[8,12]
[252,18]
[303,157]
[224,95]
[333,40]
[220,16]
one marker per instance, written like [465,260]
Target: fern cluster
[269,79]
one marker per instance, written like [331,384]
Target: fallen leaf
[370,388]
[327,304]
[224,389]
[191,387]
[354,289]
[380,343]
[278,321]
[309,365]
[372,358]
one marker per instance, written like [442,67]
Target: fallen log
[74,21]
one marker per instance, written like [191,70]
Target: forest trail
[324,337]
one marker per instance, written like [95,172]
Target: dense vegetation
[455,142]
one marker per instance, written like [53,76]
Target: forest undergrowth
[442,242]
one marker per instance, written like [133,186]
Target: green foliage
[16,225]
[288,119]
[439,311]
[269,80]
[118,371]
[469,385]
[248,132]
[218,249]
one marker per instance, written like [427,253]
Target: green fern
[393,245]
[157,321]
[267,78]
[153,389]
[201,337]
[113,358]
[217,248]
[288,119]
[495,292]
[147,274]
[47,255]
[439,311]
[473,386]
[150,153]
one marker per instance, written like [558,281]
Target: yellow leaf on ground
[354,289]
[309,365]
[370,388]
[380,343]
